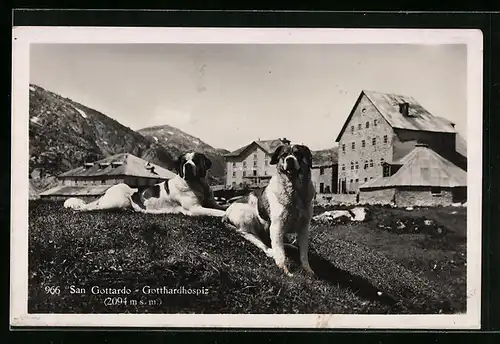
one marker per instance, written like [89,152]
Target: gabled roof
[267,146]
[387,105]
[422,167]
[65,190]
[123,164]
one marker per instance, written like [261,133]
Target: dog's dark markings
[263,205]
[137,199]
[165,185]
[152,192]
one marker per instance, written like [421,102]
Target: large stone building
[382,128]
[249,166]
[92,179]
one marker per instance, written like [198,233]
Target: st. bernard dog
[283,207]
[187,193]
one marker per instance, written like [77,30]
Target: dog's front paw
[269,253]
[283,267]
[309,270]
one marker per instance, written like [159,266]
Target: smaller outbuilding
[421,178]
[92,179]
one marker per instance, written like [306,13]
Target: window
[351,181]
[371,177]
[366,164]
[363,143]
[374,122]
[321,170]
[244,173]
[244,164]
[265,172]
[385,138]
[321,187]
[352,165]
[371,163]
[343,148]
[367,124]
[255,156]
[234,164]
[353,145]
[352,128]
[359,126]
[255,163]
[266,162]
[366,179]
[102,181]
[233,184]
[381,161]
[357,180]
[374,141]
[234,174]
[343,167]
[255,173]
[327,189]
[386,171]
[436,190]
[357,166]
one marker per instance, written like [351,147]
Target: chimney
[404,108]
[285,141]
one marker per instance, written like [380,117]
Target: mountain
[64,134]
[325,156]
[176,142]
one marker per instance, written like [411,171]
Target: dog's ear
[276,155]
[307,155]
[205,164]
[178,165]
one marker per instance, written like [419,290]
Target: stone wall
[329,199]
[377,196]
[423,198]
[370,155]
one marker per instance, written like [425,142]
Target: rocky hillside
[325,156]
[63,134]
[177,141]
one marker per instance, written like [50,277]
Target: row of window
[355,165]
[266,162]
[367,125]
[363,143]
[357,180]
[254,173]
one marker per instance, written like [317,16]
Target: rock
[400,225]
[456,204]
[453,212]
[428,222]
[359,213]
[74,203]
[409,208]
[464,205]
[330,216]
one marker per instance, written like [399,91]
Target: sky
[228,95]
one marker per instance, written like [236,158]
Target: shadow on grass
[325,270]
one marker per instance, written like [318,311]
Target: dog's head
[193,165]
[292,160]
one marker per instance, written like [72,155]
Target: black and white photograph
[260,178]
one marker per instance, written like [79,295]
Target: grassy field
[394,262]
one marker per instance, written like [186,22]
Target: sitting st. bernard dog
[283,207]
[187,193]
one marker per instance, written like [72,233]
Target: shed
[92,179]
[421,178]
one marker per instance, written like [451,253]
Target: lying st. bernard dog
[284,206]
[187,193]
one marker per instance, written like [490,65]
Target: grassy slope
[353,263]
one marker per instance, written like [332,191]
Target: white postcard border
[24,36]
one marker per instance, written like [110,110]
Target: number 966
[52,290]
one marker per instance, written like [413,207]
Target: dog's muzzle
[291,164]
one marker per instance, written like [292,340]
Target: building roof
[123,164]
[64,190]
[268,146]
[387,105]
[422,167]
